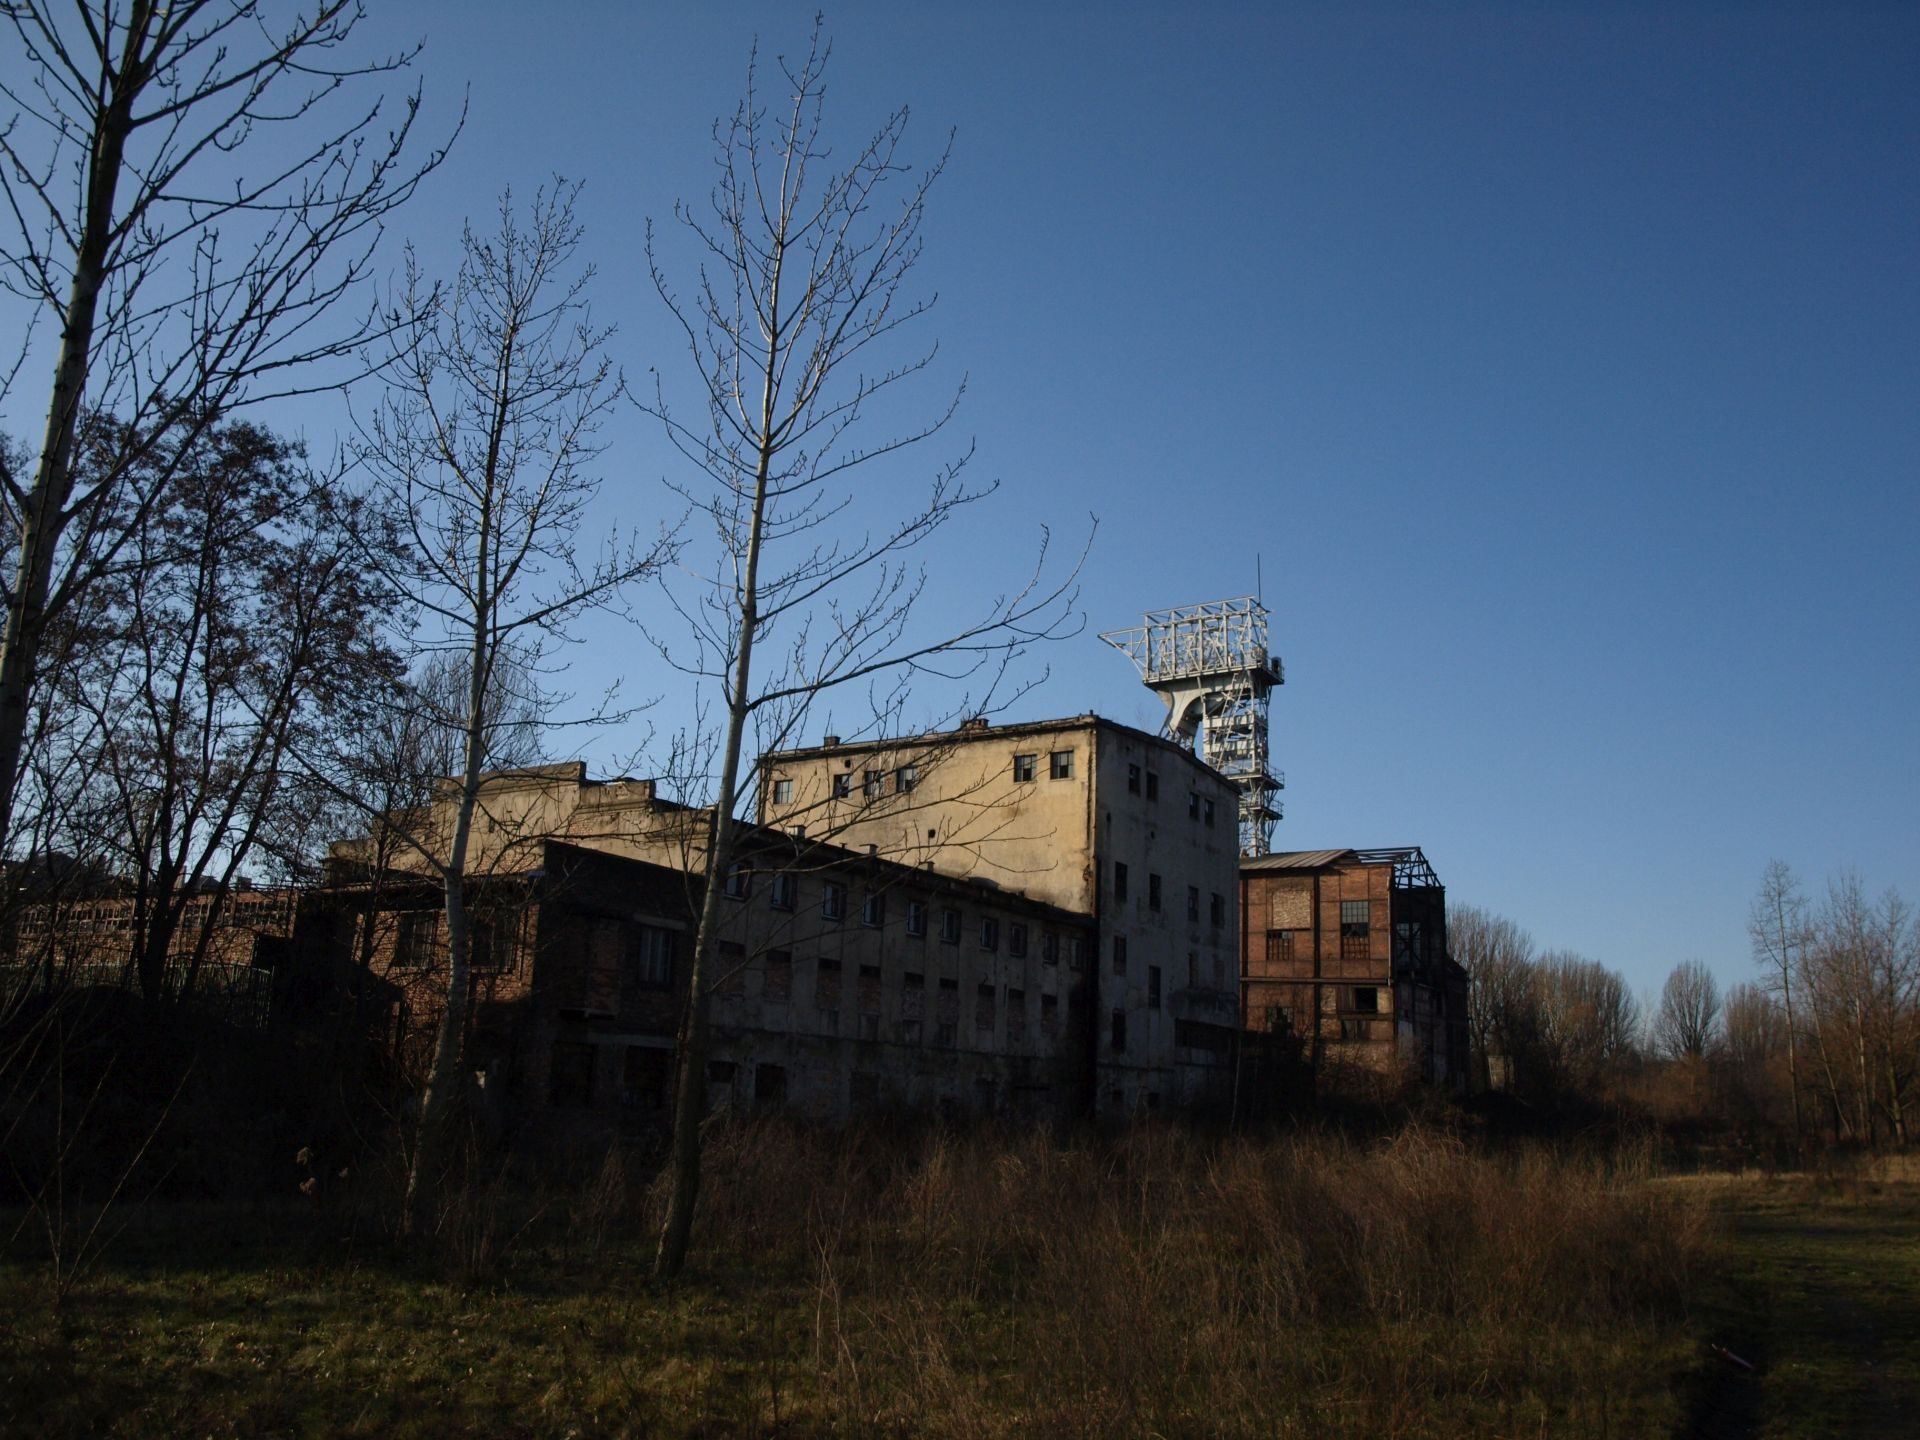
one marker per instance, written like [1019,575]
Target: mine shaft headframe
[1211,665]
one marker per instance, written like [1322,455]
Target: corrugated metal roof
[1296,860]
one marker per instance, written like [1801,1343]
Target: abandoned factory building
[1344,965]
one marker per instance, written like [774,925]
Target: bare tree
[1687,1021]
[1756,1036]
[481,451]
[244,623]
[170,281]
[1501,1013]
[802,295]
[1777,925]
[1588,1020]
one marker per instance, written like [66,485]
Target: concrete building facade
[1127,829]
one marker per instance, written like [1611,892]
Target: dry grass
[979,1285]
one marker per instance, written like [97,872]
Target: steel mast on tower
[1210,664]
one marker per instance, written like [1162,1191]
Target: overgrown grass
[978,1285]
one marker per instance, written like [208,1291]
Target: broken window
[1356,925]
[769,1084]
[414,938]
[873,784]
[732,976]
[983,1008]
[1366,999]
[1016,1016]
[1283,948]
[785,888]
[1049,1015]
[905,778]
[842,785]
[826,988]
[739,882]
[1023,767]
[778,984]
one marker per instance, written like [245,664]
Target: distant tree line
[1823,1047]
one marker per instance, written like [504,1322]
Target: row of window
[784,895]
[1216,906]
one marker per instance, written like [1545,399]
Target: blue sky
[1555,365]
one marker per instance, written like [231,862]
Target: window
[1060,765]
[1153,891]
[1279,1019]
[1133,779]
[1193,967]
[873,784]
[730,976]
[1077,953]
[1118,1038]
[778,984]
[1153,786]
[1119,880]
[1193,902]
[826,989]
[1366,999]
[1193,804]
[1023,767]
[649,957]
[950,926]
[781,897]
[783,792]
[842,785]
[946,1025]
[769,1084]
[1017,940]
[1217,910]
[983,1008]
[1283,947]
[646,1078]
[1356,924]
[1119,954]
[1206,812]
[873,911]
[413,942]
[905,778]
[989,933]
[1049,1015]
[916,917]
[484,950]
[833,901]
[1153,987]
[1016,1015]
[1049,948]
[739,881]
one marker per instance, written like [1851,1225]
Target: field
[991,1285]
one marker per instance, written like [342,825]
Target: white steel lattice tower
[1210,664]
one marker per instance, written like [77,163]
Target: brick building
[1344,962]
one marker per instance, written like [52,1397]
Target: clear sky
[1556,368]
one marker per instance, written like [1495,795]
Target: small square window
[1366,999]
[1060,765]
[842,785]
[905,778]
[950,926]
[833,901]
[739,883]
[783,792]
[916,917]
[873,911]
[1153,786]
[782,890]
[1023,767]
